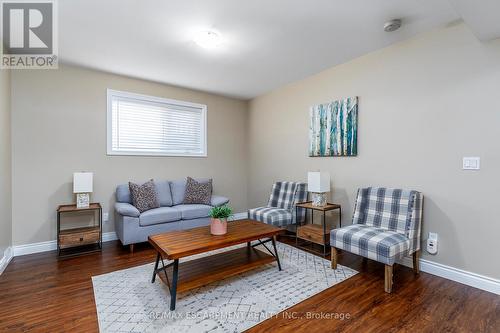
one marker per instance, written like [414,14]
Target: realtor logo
[28,34]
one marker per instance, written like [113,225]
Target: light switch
[471,163]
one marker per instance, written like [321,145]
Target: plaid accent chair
[386,226]
[280,209]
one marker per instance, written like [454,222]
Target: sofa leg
[416,262]
[388,279]
[131,247]
[334,258]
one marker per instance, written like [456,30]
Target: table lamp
[82,186]
[318,184]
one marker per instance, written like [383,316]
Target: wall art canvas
[333,128]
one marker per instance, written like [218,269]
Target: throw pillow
[144,196]
[198,193]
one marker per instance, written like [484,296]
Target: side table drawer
[76,237]
[313,233]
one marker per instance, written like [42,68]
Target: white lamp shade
[318,182]
[83,182]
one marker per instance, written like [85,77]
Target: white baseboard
[455,274]
[239,216]
[451,273]
[109,236]
[7,257]
[21,250]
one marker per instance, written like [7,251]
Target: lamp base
[82,200]
[319,199]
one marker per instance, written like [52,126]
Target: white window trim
[109,128]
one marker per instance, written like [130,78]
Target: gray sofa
[133,227]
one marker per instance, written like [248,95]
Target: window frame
[152,99]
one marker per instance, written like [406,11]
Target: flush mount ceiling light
[392,25]
[207,39]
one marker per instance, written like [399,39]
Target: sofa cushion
[159,215]
[178,189]
[123,194]
[198,192]
[163,192]
[218,200]
[144,196]
[194,211]
[126,209]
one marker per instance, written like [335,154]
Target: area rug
[127,301]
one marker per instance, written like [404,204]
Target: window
[146,125]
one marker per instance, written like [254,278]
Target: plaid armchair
[280,210]
[386,226]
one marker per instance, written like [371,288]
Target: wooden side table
[318,234]
[80,239]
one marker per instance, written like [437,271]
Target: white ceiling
[482,17]
[267,43]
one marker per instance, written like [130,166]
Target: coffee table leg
[276,253]
[156,268]
[173,288]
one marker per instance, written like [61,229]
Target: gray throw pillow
[198,193]
[144,196]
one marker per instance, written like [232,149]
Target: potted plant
[218,222]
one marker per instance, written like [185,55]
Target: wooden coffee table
[198,272]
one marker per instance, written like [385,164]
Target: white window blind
[146,125]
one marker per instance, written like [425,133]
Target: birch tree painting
[333,128]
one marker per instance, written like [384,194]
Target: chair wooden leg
[334,258]
[388,279]
[131,247]
[416,262]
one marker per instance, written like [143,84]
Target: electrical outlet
[105,217]
[432,243]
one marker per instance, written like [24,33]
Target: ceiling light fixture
[392,25]
[207,39]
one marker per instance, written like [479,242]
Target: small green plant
[221,212]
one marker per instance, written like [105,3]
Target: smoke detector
[392,25]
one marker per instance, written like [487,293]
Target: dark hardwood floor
[40,293]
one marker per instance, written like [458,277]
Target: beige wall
[5,163]
[59,127]
[423,105]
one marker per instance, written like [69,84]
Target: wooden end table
[314,233]
[80,238]
[195,273]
